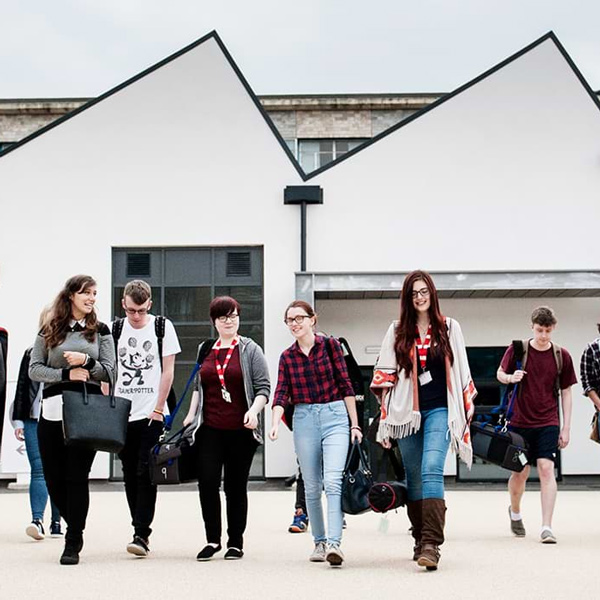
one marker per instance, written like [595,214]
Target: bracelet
[86,361]
[158,412]
[356,427]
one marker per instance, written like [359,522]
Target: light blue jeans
[321,439]
[424,454]
[38,493]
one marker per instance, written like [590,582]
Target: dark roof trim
[212,35]
[548,36]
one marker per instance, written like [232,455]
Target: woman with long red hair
[424,384]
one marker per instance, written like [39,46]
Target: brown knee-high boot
[415,514]
[432,537]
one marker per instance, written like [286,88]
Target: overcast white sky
[81,48]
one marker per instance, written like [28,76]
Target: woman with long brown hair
[424,384]
[73,349]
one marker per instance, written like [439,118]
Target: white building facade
[493,188]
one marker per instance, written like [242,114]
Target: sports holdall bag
[391,494]
[500,447]
[496,444]
[172,459]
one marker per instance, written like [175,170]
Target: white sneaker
[547,537]
[318,554]
[35,530]
[334,556]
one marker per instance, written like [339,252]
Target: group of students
[422,381]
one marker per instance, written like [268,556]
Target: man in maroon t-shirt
[536,416]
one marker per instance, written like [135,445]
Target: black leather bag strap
[363,463]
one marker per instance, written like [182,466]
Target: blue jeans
[38,493]
[424,454]
[321,439]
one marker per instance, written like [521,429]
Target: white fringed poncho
[399,395]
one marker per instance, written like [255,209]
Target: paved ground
[480,558]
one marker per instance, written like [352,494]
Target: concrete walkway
[480,559]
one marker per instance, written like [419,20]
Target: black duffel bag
[356,483]
[391,494]
[173,461]
[94,421]
[501,447]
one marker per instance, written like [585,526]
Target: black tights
[231,453]
[66,470]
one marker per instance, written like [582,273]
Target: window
[314,154]
[184,281]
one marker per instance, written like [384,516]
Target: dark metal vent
[138,264]
[238,264]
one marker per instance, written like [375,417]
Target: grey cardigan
[50,366]
[255,373]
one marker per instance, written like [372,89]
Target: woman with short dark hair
[72,350]
[424,384]
[231,390]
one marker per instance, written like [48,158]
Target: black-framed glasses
[298,320]
[424,292]
[226,318]
[136,311]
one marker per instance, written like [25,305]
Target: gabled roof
[550,36]
[213,35]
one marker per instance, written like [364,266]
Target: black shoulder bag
[356,483]
[172,460]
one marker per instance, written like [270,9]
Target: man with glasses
[145,371]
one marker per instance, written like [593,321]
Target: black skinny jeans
[66,470]
[231,453]
[135,456]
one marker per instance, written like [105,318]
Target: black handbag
[94,421]
[356,483]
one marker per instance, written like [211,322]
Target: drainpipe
[303,195]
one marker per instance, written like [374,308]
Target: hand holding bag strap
[361,456]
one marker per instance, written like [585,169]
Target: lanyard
[423,345]
[222,368]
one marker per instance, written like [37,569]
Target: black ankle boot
[70,555]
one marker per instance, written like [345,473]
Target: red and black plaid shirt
[312,379]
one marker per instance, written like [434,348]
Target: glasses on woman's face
[297,320]
[226,318]
[424,292]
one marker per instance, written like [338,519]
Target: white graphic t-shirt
[139,368]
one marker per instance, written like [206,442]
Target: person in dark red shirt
[231,390]
[313,377]
[536,415]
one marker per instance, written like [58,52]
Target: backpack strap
[204,349]
[558,359]
[159,330]
[117,329]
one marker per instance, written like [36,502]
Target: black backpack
[159,330]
